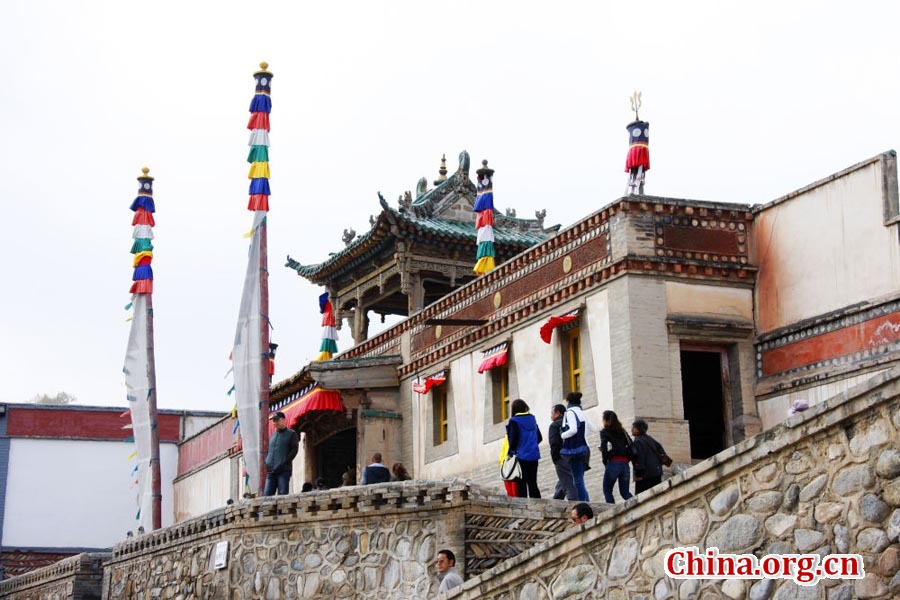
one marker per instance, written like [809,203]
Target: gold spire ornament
[442,172]
[636,104]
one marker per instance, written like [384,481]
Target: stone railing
[362,541]
[75,578]
[825,481]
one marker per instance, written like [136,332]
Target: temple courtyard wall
[825,481]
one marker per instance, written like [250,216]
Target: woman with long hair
[524,437]
[399,473]
[614,444]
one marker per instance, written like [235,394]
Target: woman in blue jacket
[524,437]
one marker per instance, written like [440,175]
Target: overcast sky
[747,102]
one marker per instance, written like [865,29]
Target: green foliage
[59,399]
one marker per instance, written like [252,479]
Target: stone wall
[825,481]
[370,541]
[78,577]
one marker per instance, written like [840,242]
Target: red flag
[554,322]
[430,382]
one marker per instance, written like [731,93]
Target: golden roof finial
[442,177]
[145,171]
[263,65]
[636,104]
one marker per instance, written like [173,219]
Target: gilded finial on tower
[263,68]
[442,171]
[145,173]
[636,104]
[637,163]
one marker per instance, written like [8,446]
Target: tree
[59,399]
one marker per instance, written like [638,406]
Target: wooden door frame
[725,379]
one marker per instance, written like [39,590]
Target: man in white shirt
[447,575]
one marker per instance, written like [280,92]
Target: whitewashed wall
[204,490]
[75,494]
[193,424]
[825,249]
[538,378]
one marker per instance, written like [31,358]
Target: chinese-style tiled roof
[435,215]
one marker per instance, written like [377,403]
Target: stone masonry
[75,578]
[825,481]
[374,541]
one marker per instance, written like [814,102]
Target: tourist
[581,513]
[647,458]
[511,487]
[399,473]
[307,487]
[375,472]
[524,437]
[447,575]
[614,444]
[798,406]
[565,484]
[320,483]
[283,447]
[574,446]
[349,476]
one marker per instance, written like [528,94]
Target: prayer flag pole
[140,363]
[484,220]
[251,341]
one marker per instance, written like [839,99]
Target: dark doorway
[704,406]
[335,454]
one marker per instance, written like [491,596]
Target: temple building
[707,319]
[417,253]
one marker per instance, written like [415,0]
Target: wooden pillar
[360,324]
[416,294]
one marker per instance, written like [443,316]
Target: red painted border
[80,423]
[870,334]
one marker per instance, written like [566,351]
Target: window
[573,359]
[439,412]
[500,390]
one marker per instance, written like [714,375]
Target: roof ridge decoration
[444,211]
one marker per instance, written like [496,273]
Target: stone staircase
[825,481]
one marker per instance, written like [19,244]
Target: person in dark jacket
[283,447]
[375,472]
[646,464]
[565,485]
[614,444]
[574,428]
[524,437]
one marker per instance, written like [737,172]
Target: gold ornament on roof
[636,104]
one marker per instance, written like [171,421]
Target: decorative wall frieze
[843,338]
